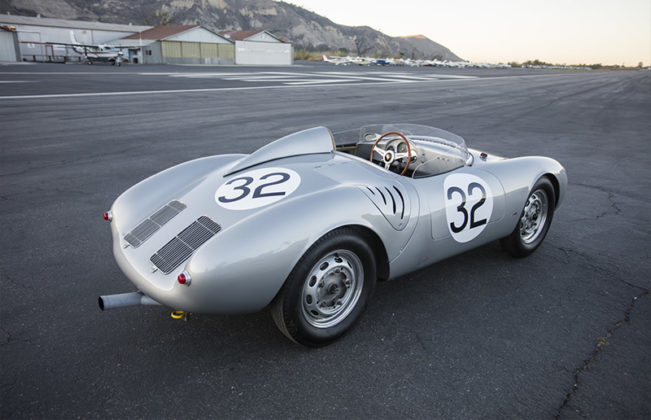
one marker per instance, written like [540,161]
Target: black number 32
[258,192]
[461,208]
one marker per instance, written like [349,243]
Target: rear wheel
[327,290]
[535,219]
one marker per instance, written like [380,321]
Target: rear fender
[243,267]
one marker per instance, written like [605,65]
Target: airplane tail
[325,58]
[74,42]
[73,39]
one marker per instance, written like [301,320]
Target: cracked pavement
[622,410]
[562,334]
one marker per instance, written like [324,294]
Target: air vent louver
[184,244]
[149,226]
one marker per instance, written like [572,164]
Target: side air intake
[391,201]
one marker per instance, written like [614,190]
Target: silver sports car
[308,224]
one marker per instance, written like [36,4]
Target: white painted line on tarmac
[424,75]
[422,78]
[176,91]
[379,79]
[319,81]
[293,81]
[65,72]
[225,74]
[193,75]
[244,88]
[285,76]
[453,76]
[264,77]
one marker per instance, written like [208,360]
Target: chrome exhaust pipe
[124,299]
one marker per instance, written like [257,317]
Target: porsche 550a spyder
[308,223]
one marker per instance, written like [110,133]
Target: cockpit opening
[411,150]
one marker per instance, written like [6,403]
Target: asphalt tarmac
[563,333]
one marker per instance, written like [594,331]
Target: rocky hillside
[305,29]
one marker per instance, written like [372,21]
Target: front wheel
[328,289]
[535,219]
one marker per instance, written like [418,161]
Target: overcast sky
[559,31]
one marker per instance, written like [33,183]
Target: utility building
[180,44]
[260,48]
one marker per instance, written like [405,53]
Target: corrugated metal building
[180,44]
[260,48]
[35,35]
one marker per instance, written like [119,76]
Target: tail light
[108,216]
[184,278]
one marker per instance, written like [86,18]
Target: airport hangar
[179,44]
[40,39]
[260,47]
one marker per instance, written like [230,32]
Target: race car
[307,224]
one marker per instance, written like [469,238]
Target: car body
[224,234]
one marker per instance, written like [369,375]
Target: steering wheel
[389,156]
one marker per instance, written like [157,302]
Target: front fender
[518,176]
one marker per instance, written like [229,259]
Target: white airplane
[433,63]
[365,61]
[336,60]
[413,63]
[97,53]
[457,64]
[360,61]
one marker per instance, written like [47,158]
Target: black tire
[328,289]
[530,231]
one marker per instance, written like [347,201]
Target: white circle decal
[257,188]
[468,205]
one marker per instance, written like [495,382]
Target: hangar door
[7,46]
[197,50]
[272,53]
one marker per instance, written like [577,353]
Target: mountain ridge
[303,28]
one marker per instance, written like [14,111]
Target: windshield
[439,151]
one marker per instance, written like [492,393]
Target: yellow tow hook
[181,315]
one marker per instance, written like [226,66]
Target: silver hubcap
[332,288]
[534,216]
